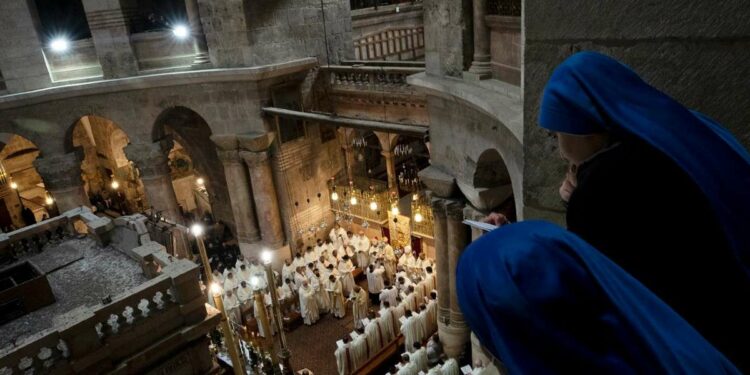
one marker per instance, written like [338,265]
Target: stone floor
[82,273]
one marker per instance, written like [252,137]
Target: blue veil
[544,301]
[592,93]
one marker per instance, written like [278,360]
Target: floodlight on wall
[181,31]
[60,44]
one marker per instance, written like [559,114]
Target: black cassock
[641,210]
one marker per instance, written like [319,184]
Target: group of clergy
[409,307]
[431,360]
[239,282]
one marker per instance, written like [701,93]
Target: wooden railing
[391,44]
[385,354]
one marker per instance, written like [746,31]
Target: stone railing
[392,43]
[160,50]
[80,62]
[32,238]
[510,8]
[369,78]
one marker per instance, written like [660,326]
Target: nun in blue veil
[544,301]
[662,191]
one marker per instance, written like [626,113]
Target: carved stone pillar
[349,158]
[481,67]
[264,194]
[390,165]
[62,178]
[240,196]
[196,28]
[152,161]
[458,239]
[109,30]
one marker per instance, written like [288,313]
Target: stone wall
[448,36]
[696,52]
[368,20]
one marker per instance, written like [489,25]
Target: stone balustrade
[370,78]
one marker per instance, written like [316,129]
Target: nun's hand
[496,218]
[569,184]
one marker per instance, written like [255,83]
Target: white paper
[354,335]
[480,225]
[466,369]
[340,343]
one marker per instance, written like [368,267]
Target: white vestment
[450,367]
[359,306]
[387,322]
[411,332]
[244,294]
[389,295]
[359,351]
[308,305]
[375,337]
[419,359]
[347,279]
[321,296]
[375,280]
[407,369]
[431,317]
[344,359]
[336,296]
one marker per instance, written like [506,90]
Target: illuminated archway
[23,197]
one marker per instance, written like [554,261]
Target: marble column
[196,29]
[458,239]
[264,194]
[390,165]
[442,268]
[240,196]
[62,178]
[152,161]
[481,67]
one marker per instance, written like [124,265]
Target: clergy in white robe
[375,282]
[288,294]
[388,323]
[321,296]
[430,280]
[308,304]
[287,271]
[435,371]
[479,369]
[434,350]
[450,367]
[388,294]
[230,283]
[419,357]
[390,259]
[258,307]
[232,306]
[347,279]
[299,277]
[421,317]
[407,259]
[299,261]
[362,257]
[375,337]
[336,296]
[240,261]
[344,357]
[310,256]
[318,248]
[405,367]
[217,277]
[364,242]
[359,305]
[243,273]
[359,349]
[244,294]
[411,331]
[432,314]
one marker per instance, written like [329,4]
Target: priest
[335,293]
[359,305]
[308,305]
[344,356]
[375,282]
[410,330]
[419,357]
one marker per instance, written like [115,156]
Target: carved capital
[438,208]
[60,172]
[229,157]
[152,159]
[256,142]
[254,159]
[455,210]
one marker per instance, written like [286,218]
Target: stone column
[458,238]
[152,161]
[196,28]
[481,67]
[264,194]
[62,178]
[442,268]
[22,60]
[390,165]
[111,37]
[240,196]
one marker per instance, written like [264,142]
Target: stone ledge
[438,181]
[256,73]
[497,99]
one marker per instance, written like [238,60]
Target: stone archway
[109,177]
[192,138]
[23,197]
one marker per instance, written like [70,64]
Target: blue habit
[544,301]
[592,93]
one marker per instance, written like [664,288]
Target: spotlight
[60,44]
[13,185]
[215,289]
[334,196]
[49,200]
[196,230]
[181,31]
[418,217]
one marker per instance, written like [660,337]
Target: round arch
[24,199]
[192,134]
[108,176]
